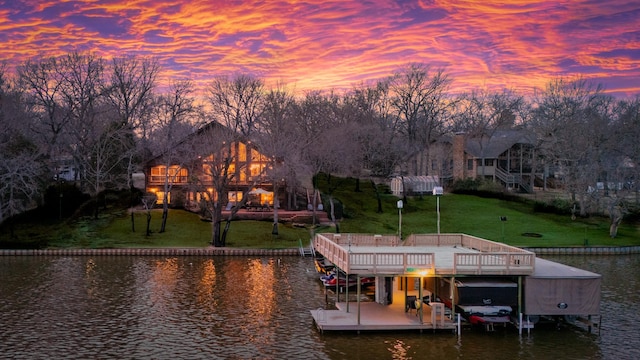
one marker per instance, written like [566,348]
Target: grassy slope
[459,214]
[183,230]
[476,216]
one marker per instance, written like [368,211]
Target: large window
[176,174]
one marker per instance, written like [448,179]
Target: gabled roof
[490,147]
[191,138]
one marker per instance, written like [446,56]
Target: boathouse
[438,281]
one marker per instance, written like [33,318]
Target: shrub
[62,200]
[557,206]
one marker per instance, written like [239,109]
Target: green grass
[183,229]
[475,216]
[458,214]
[481,217]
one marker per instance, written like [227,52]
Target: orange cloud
[334,44]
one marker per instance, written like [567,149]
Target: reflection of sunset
[207,282]
[260,280]
[335,44]
[164,279]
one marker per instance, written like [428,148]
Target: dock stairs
[307,251]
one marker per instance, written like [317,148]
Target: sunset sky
[334,44]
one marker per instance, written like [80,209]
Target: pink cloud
[335,44]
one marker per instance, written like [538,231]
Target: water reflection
[249,307]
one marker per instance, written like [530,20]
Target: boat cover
[558,289]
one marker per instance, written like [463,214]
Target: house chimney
[459,159]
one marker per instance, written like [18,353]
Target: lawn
[468,214]
[184,230]
[473,215]
[482,217]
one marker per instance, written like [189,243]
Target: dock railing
[492,258]
[494,264]
[365,240]
[391,263]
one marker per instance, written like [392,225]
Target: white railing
[494,264]
[492,258]
[365,240]
[434,240]
[391,263]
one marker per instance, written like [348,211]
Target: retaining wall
[589,250]
[153,252]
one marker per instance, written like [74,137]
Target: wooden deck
[423,255]
[377,317]
[373,316]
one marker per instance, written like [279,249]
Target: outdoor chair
[410,304]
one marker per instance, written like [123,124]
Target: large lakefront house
[186,177]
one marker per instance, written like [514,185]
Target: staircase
[307,251]
[512,180]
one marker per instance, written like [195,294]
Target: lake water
[125,307]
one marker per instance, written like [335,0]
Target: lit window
[161,196]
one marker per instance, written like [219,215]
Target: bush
[338,208]
[557,206]
[484,188]
[62,200]
[465,186]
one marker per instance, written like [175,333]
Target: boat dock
[432,281]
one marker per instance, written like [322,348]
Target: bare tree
[97,140]
[627,133]
[318,127]
[480,114]
[21,159]
[568,120]
[235,103]
[622,162]
[176,115]
[277,138]
[42,82]
[215,172]
[420,102]
[130,91]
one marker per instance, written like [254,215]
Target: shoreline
[224,251]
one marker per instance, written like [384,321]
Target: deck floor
[373,316]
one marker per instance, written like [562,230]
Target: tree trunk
[132,203]
[215,234]
[95,209]
[616,219]
[165,214]
[314,206]
[148,222]
[333,215]
[378,197]
[216,219]
[276,205]
[223,240]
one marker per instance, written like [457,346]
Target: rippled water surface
[256,308]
